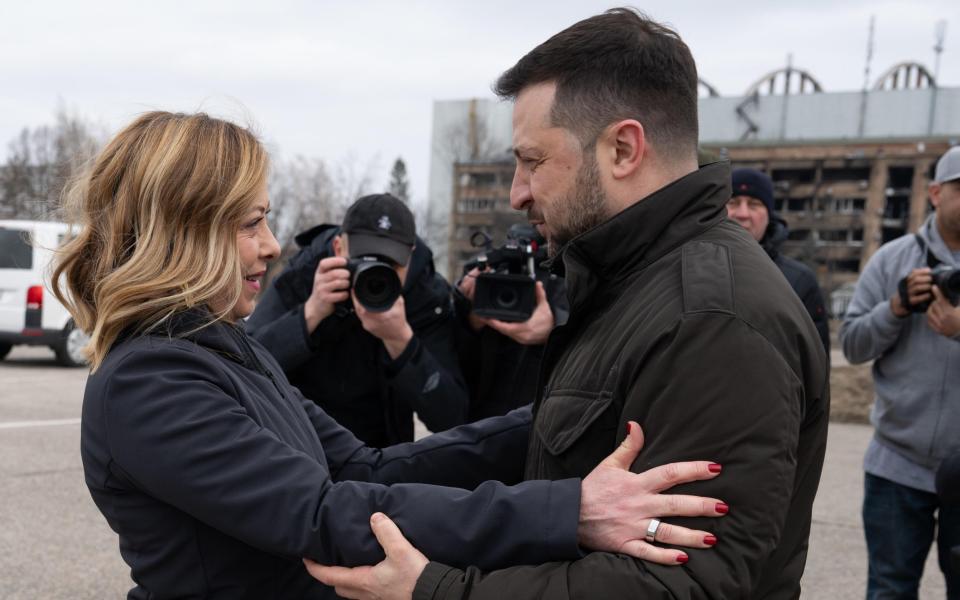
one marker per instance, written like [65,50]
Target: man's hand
[535,330]
[331,284]
[394,578]
[616,505]
[919,284]
[390,326]
[467,287]
[943,317]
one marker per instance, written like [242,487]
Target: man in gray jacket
[907,325]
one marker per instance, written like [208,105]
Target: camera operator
[500,360]
[904,316]
[370,366]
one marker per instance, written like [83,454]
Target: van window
[15,249]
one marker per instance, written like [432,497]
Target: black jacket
[800,277]
[218,476]
[346,370]
[678,320]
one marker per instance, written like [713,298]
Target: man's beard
[582,209]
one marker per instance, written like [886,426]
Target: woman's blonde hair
[156,218]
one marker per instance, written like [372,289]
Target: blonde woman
[213,470]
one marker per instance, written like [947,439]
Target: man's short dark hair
[613,66]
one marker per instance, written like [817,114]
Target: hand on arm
[331,284]
[616,507]
[393,578]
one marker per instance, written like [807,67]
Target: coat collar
[645,231]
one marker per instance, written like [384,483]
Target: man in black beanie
[752,206]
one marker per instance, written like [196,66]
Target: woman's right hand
[616,506]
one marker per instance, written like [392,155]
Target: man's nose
[520,195]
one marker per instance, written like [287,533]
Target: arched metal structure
[905,75]
[788,80]
[705,90]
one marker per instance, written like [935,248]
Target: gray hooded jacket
[916,371]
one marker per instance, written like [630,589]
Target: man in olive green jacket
[678,320]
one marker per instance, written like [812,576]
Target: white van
[29,312]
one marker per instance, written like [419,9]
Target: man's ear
[626,147]
[339,245]
[934,190]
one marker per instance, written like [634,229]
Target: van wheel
[69,349]
[5,350]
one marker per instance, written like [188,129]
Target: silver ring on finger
[652,530]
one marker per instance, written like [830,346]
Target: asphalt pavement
[54,544]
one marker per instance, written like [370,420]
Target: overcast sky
[356,80]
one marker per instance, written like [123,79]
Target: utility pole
[866,79]
[940,33]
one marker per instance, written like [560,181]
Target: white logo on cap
[384,223]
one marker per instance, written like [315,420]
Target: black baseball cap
[381,225]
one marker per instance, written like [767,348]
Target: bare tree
[42,161]
[399,184]
[301,195]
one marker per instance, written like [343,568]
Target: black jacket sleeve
[804,284]
[812,300]
[748,419]
[463,457]
[426,375]
[180,436]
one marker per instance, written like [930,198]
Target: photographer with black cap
[346,339]
[905,318]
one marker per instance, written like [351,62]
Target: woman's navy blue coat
[218,476]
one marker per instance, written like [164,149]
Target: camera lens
[507,298]
[377,286]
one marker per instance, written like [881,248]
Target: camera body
[374,282]
[944,277]
[948,280]
[506,286]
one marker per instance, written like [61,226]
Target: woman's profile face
[256,247]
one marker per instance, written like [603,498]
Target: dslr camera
[506,286]
[375,283]
[944,277]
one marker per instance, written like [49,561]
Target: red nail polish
[722,508]
[714,467]
[710,540]
[628,428]
[682,558]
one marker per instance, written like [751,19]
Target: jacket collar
[645,231]
[222,338]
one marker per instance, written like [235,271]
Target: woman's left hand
[391,579]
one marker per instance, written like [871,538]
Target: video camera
[944,277]
[375,283]
[506,286]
